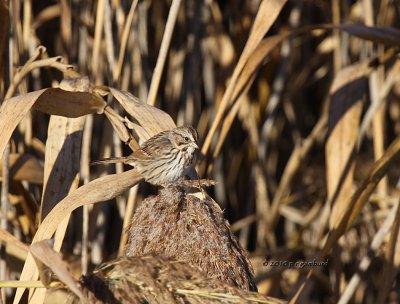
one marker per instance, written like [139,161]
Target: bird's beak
[194,145]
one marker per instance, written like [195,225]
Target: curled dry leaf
[98,190]
[56,101]
[141,132]
[150,118]
[43,252]
[53,101]
[119,127]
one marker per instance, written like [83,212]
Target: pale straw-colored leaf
[62,160]
[347,93]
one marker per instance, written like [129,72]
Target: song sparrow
[163,158]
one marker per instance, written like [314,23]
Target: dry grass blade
[4,24]
[46,255]
[99,190]
[97,38]
[376,243]
[124,39]
[266,46]
[62,163]
[151,119]
[357,201]
[254,62]
[385,35]
[8,238]
[389,273]
[261,26]
[173,15]
[347,93]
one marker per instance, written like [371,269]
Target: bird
[164,158]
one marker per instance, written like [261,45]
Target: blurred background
[317,107]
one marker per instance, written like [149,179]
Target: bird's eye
[186,138]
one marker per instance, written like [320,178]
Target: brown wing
[151,147]
[148,150]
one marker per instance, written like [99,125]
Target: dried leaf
[45,254]
[56,101]
[385,35]
[98,190]
[348,90]
[266,15]
[62,163]
[62,160]
[150,118]
[119,127]
[51,101]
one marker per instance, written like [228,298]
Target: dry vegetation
[297,104]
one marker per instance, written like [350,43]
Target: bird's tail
[111,160]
